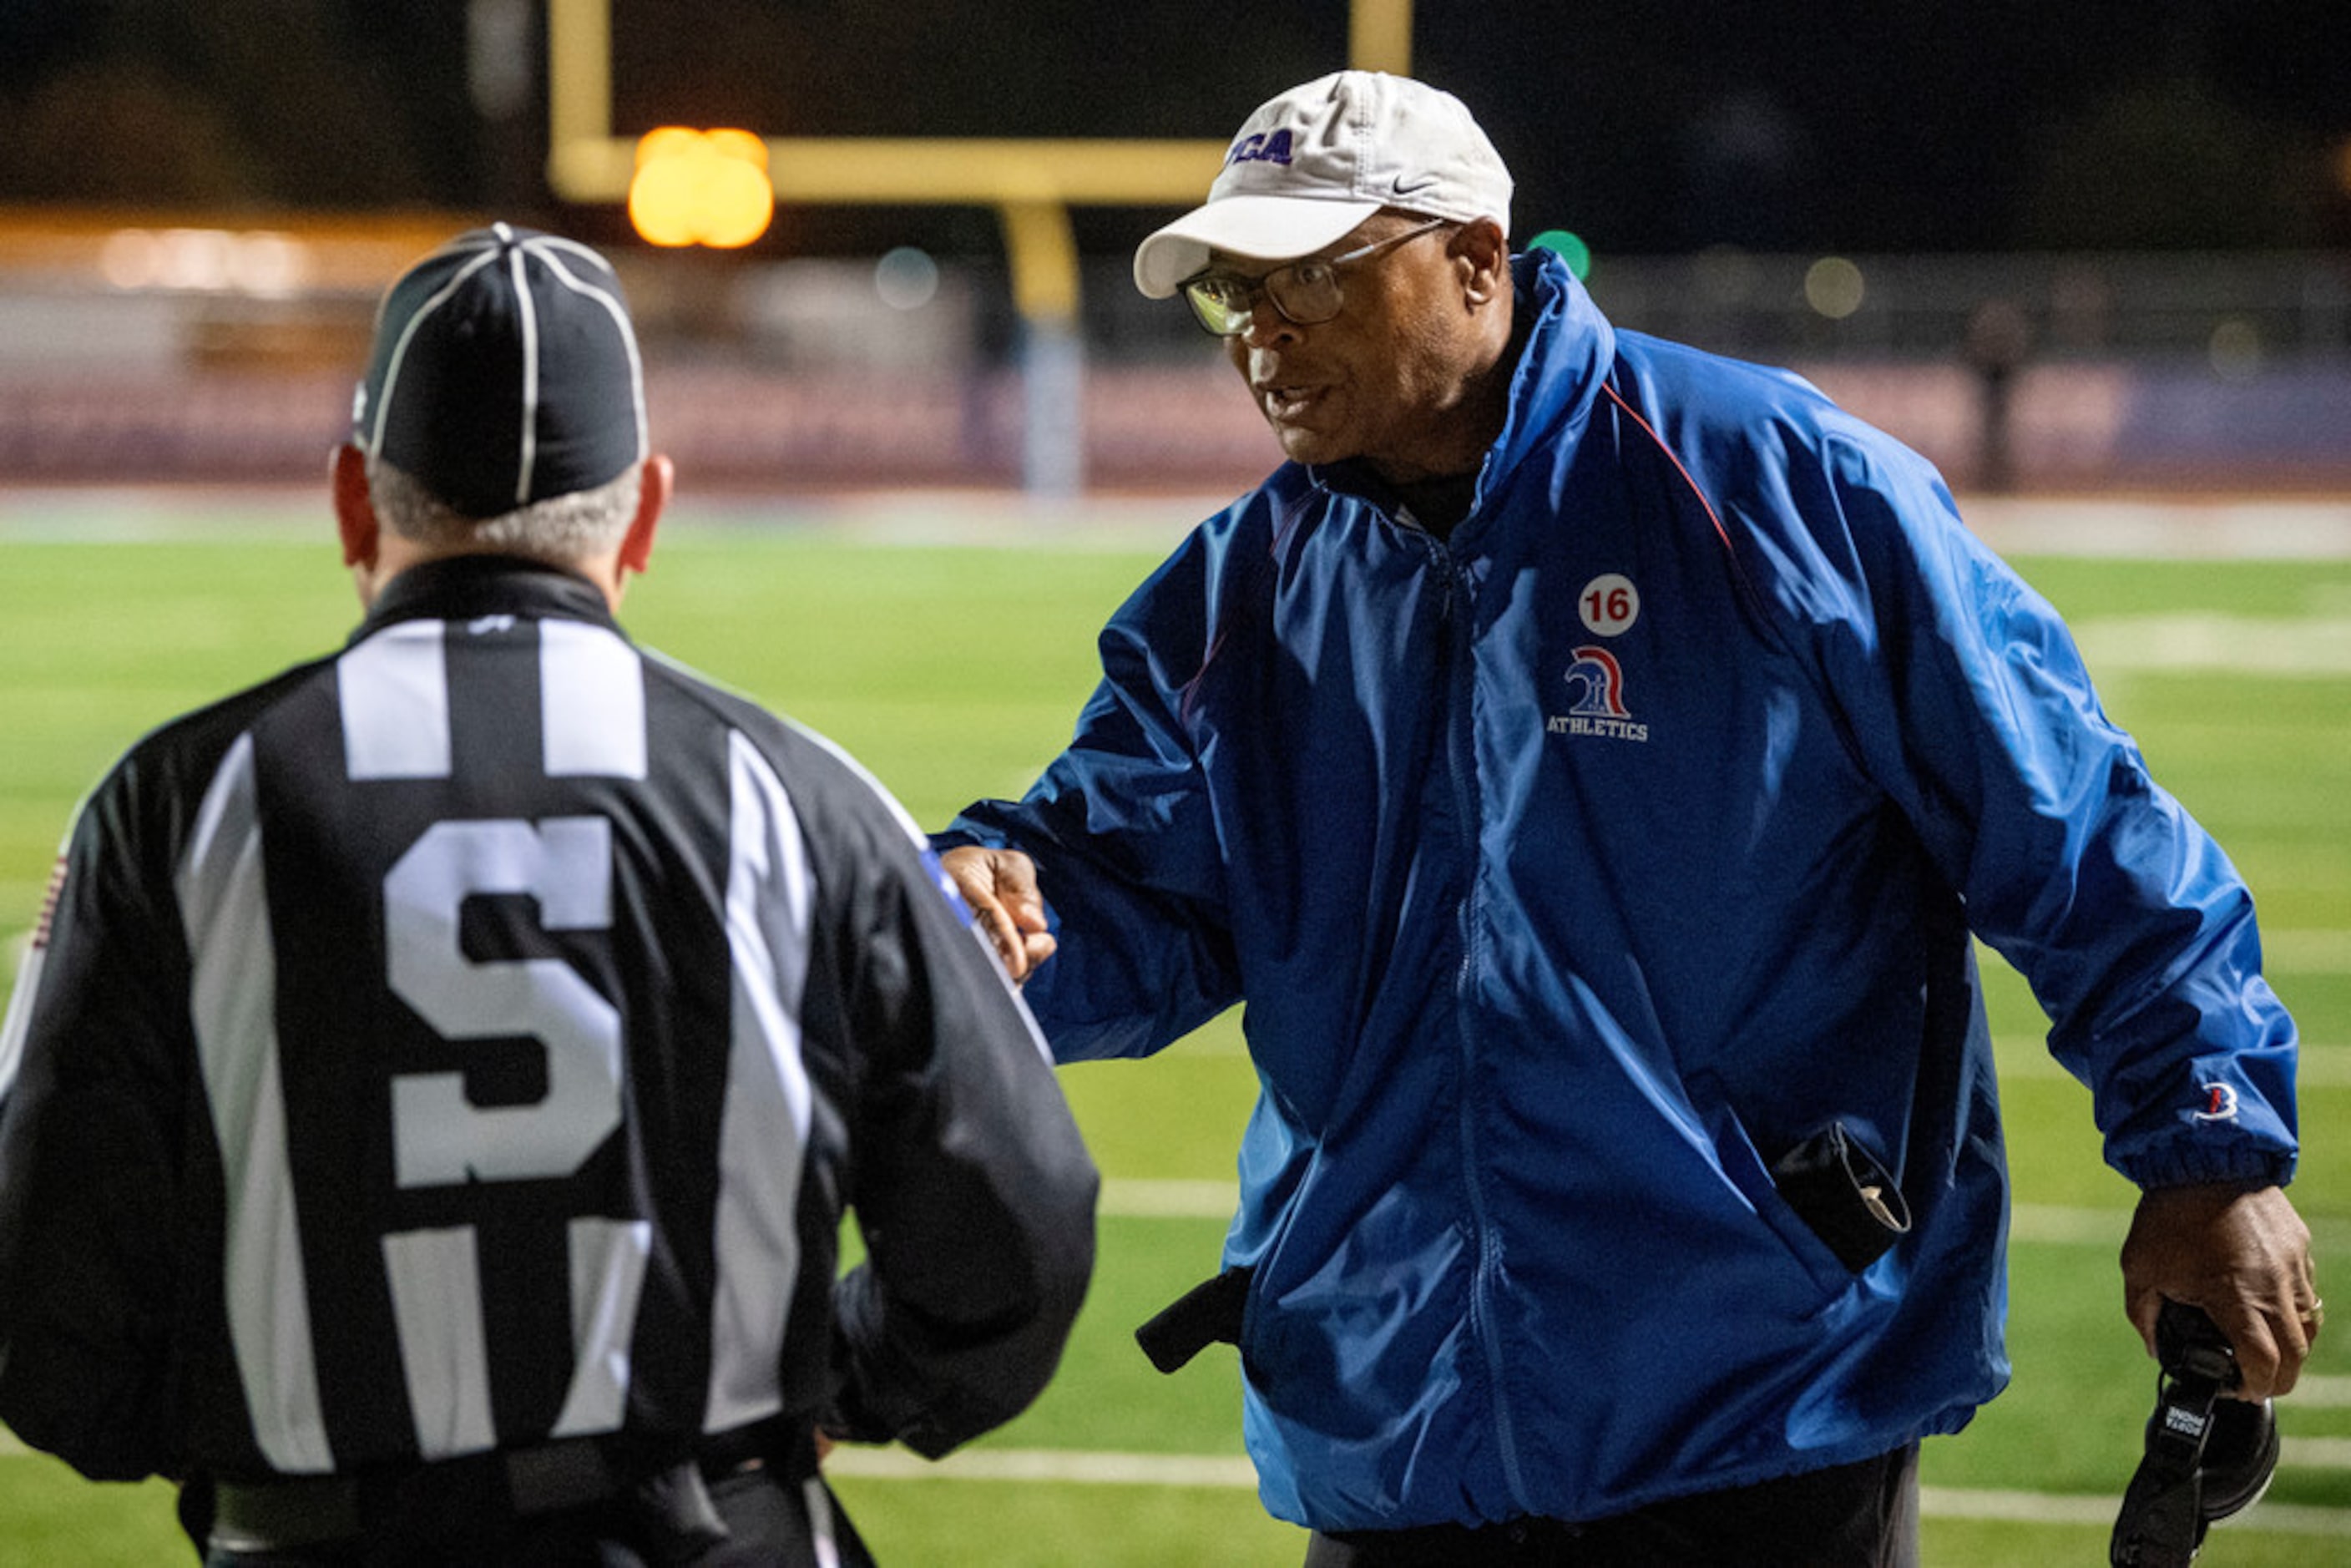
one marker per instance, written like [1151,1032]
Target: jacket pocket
[1844,1194]
[1744,1167]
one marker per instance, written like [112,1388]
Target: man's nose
[1267,324]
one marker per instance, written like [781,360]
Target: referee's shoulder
[815,771]
[192,743]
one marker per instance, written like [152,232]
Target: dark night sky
[1863,125]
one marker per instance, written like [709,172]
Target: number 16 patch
[1594,677]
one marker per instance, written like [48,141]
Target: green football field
[954,671]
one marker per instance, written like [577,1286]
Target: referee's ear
[653,487]
[355,519]
[658,480]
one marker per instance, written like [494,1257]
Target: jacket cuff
[2196,1164]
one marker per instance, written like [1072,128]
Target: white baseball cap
[1310,164]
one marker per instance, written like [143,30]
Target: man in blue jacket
[1587,759]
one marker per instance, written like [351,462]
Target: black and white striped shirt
[473,1038]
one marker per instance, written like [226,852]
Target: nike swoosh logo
[1397,187]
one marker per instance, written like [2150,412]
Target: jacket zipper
[1460,674]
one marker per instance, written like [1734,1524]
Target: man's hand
[2244,1258]
[1000,886]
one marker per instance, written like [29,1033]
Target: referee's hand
[1000,886]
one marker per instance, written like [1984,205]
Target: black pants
[773,1522]
[1851,1516]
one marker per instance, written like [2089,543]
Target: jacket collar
[459,587]
[1570,346]
[1562,363]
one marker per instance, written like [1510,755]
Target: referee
[429,1104]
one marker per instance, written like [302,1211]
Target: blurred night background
[2074,244]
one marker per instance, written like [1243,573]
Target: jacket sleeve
[1124,832]
[972,1188]
[90,1148]
[1971,704]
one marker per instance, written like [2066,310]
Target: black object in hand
[2207,1456]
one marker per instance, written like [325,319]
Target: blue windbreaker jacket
[1573,869]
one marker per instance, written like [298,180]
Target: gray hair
[561,528]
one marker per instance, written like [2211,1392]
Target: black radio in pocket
[1848,1199]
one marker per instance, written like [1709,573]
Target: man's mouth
[1286,400]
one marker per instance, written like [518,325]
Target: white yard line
[2066,1226]
[1168,1198]
[2313,1453]
[1086,1467]
[2323,1392]
[1144,1197]
[2020,1507]
[2205,641]
[1081,1466]
[2182,529]
[2325,1064]
[2051,1507]
[2306,952]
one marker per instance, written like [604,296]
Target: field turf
[955,671]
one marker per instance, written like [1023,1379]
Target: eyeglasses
[1306,293]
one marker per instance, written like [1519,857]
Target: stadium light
[701,188]
[1570,247]
[1833,286]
